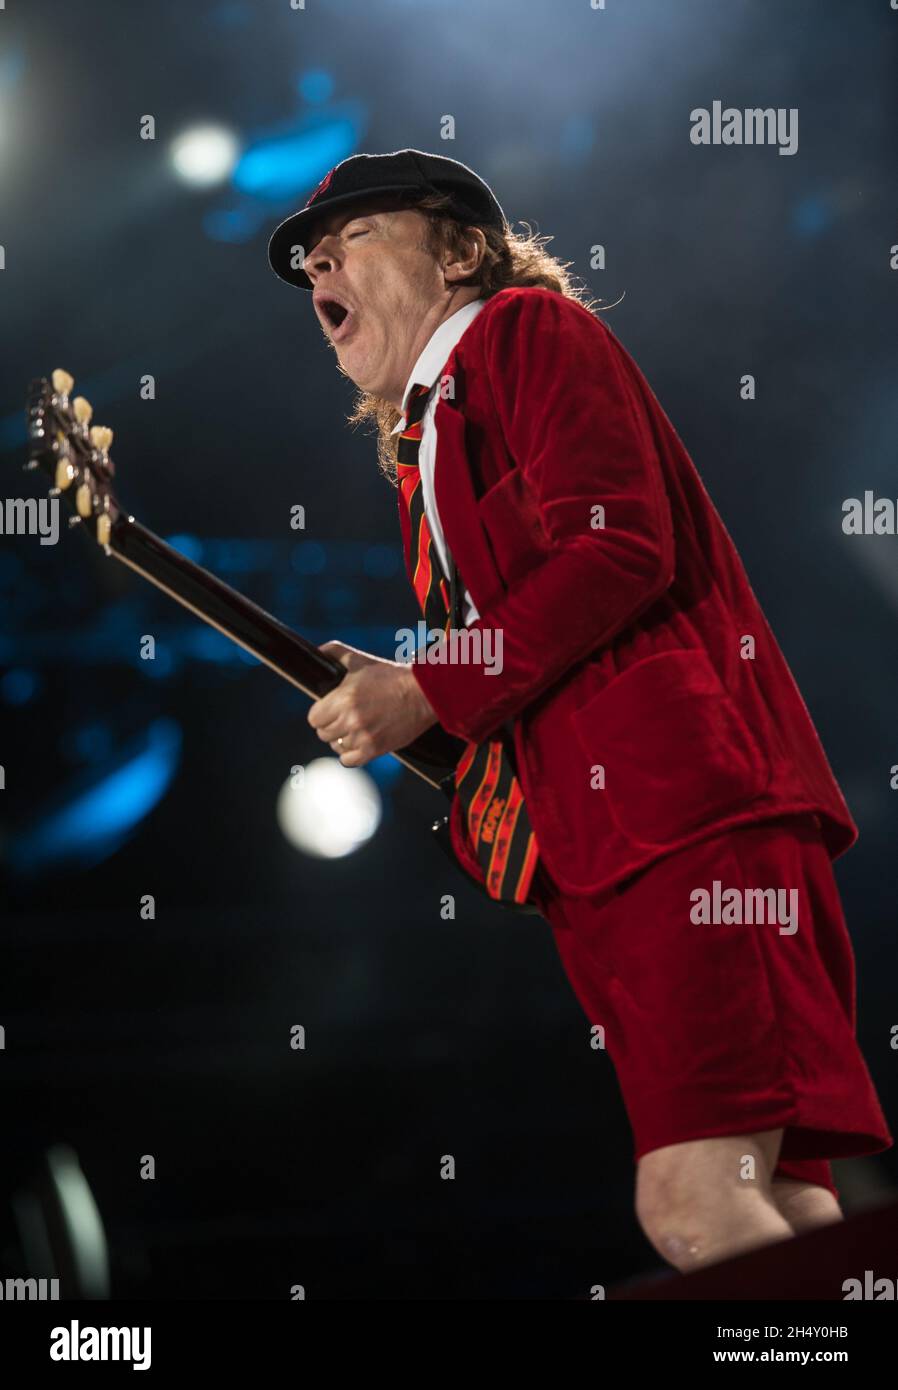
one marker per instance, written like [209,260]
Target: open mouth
[338,319]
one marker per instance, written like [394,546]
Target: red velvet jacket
[624,645]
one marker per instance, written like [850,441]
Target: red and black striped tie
[498,824]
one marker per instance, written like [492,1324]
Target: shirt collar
[438,350]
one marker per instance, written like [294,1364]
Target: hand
[376,708]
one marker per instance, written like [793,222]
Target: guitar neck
[78,463]
[433,755]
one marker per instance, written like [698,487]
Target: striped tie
[498,824]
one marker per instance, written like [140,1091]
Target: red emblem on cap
[322,186]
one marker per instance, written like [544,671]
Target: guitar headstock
[73,453]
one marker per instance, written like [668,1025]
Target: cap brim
[298,225]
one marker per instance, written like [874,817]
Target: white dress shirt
[426,372]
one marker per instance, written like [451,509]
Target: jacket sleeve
[579,434]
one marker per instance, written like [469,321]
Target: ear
[461,264]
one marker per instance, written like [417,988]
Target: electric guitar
[75,455]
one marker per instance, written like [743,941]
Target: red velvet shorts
[729,1026]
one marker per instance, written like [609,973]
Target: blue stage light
[94,821]
[207,644]
[385,770]
[382,561]
[308,558]
[340,602]
[13,433]
[577,139]
[284,166]
[232,14]
[18,687]
[234,555]
[162,665]
[235,225]
[191,547]
[811,216]
[315,86]
[90,743]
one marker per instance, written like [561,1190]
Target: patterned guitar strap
[498,825]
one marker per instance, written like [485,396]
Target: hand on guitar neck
[383,707]
[377,707]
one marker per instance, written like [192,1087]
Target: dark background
[126,1037]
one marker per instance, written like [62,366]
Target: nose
[322,258]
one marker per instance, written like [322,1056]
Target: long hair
[509,259]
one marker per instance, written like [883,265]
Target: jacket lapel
[457,507]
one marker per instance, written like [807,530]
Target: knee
[672,1219]
[691,1221]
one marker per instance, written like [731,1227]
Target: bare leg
[707,1199]
[805,1205]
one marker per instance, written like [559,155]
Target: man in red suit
[672,810]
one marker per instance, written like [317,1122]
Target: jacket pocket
[510,517]
[676,751]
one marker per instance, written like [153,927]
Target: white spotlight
[331,811]
[205,155]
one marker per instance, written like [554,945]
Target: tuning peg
[100,437]
[74,521]
[84,500]
[62,382]
[104,528]
[65,473]
[83,410]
